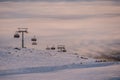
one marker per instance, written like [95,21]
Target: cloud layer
[88,26]
[57,0]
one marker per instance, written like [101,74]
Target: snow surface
[30,64]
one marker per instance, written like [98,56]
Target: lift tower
[22,31]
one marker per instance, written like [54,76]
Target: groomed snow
[95,73]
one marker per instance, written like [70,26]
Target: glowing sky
[72,22]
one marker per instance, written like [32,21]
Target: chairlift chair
[64,50]
[34,39]
[34,43]
[16,35]
[61,48]
[48,48]
[53,48]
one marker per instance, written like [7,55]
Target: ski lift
[53,48]
[16,35]
[61,48]
[64,50]
[48,48]
[34,43]
[34,39]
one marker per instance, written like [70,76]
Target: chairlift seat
[64,50]
[16,36]
[34,43]
[47,48]
[33,39]
[52,48]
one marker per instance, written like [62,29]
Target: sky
[85,26]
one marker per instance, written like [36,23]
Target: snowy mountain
[29,64]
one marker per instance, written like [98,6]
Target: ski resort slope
[30,64]
[96,73]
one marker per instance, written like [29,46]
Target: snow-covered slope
[29,64]
[15,58]
[95,73]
